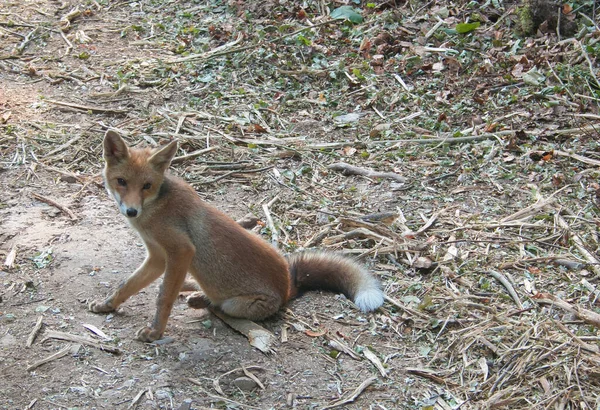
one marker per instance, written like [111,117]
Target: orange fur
[237,271]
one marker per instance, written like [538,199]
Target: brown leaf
[316,333]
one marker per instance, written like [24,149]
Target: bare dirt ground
[487,251]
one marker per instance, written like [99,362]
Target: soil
[281,92]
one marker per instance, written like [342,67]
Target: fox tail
[336,273]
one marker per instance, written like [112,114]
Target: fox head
[132,176]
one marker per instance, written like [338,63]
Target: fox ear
[161,159]
[115,149]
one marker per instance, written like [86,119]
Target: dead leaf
[349,151]
[315,333]
[372,357]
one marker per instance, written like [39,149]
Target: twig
[211,53]
[63,146]
[594,262]
[509,287]
[253,377]
[34,332]
[65,21]
[137,398]
[81,339]
[270,223]
[239,369]
[580,158]
[61,353]
[214,396]
[357,392]
[406,308]
[586,315]
[93,109]
[192,155]
[585,346]
[225,175]
[55,204]
[347,169]
[28,38]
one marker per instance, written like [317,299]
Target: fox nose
[132,212]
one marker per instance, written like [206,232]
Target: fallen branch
[579,158]
[82,340]
[93,109]
[258,336]
[356,233]
[357,392]
[245,370]
[34,332]
[55,204]
[61,353]
[594,262]
[192,155]
[220,398]
[431,375]
[347,169]
[586,315]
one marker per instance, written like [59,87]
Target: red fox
[238,273]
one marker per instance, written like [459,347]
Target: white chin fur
[369,299]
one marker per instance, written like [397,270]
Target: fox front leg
[148,272]
[178,263]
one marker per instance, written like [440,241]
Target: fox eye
[121,182]
[147,186]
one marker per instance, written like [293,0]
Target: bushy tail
[336,273]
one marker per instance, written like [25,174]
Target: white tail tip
[369,299]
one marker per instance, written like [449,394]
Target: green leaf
[463,28]
[347,13]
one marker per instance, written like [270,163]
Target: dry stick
[431,375]
[93,109]
[209,53]
[239,369]
[594,262]
[347,169]
[34,332]
[253,377]
[26,40]
[406,308]
[65,174]
[258,336]
[353,396]
[226,49]
[81,339]
[586,315]
[137,398]
[63,146]
[585,346]
[270,223]
[55,356]
[214,396]
[55,204]
[580,158]
[225,175]
[511,291]
[192,155]
[532,209]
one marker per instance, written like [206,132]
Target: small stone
[244,383]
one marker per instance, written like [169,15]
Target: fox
[237,272]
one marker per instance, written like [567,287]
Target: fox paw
[98,306]
[198,300]
[147,334]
